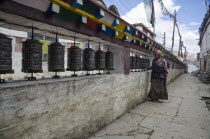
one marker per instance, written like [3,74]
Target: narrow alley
[83,69]
[184,116]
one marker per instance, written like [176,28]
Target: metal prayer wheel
[100,60]
[145,62]
[74,59]
[141,63]
[74,62]
[137,62]
[88,59]
[168,65]
[5,55]
[133,59]
[56,58]
[109,61]
[32,57]
[148,62]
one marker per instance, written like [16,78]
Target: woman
[158,78]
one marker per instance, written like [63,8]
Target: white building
[204,43]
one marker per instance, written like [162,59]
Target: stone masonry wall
[173,74]
[69,108]
[208,63]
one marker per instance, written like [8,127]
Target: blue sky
[189,16]
[190,11]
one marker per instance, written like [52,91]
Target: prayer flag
[150,12]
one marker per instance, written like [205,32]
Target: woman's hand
[148,68]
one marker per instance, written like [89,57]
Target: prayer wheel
[168,65]
[100,60]
[88,59]
[137,62]
[56,58]
[74,59]
[141,63]
[32,57]
[109,61]
[5,55]
[148,62]
[144,63]
[133,62]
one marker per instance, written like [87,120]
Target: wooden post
[181,48]
[127,61]
[164,40]
[180,43]
[173,32]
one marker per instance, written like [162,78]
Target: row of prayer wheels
[32,58]
[139,63]
[5,55]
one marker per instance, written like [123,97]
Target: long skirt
[158,89]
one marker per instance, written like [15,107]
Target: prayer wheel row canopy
[56,57]
[74,59]
[32,56]
[5,54]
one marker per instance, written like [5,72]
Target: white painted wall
[15,33]
[205,42]
[205,46]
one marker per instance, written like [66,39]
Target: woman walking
[158,78]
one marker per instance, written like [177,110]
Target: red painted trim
[92,25]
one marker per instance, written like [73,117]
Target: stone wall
[208,63]
[70,107]
[205,49]
[173,74]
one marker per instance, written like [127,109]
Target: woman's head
[157,54]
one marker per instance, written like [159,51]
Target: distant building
[145,29]
[204,43]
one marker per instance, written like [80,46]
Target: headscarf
[158,52]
